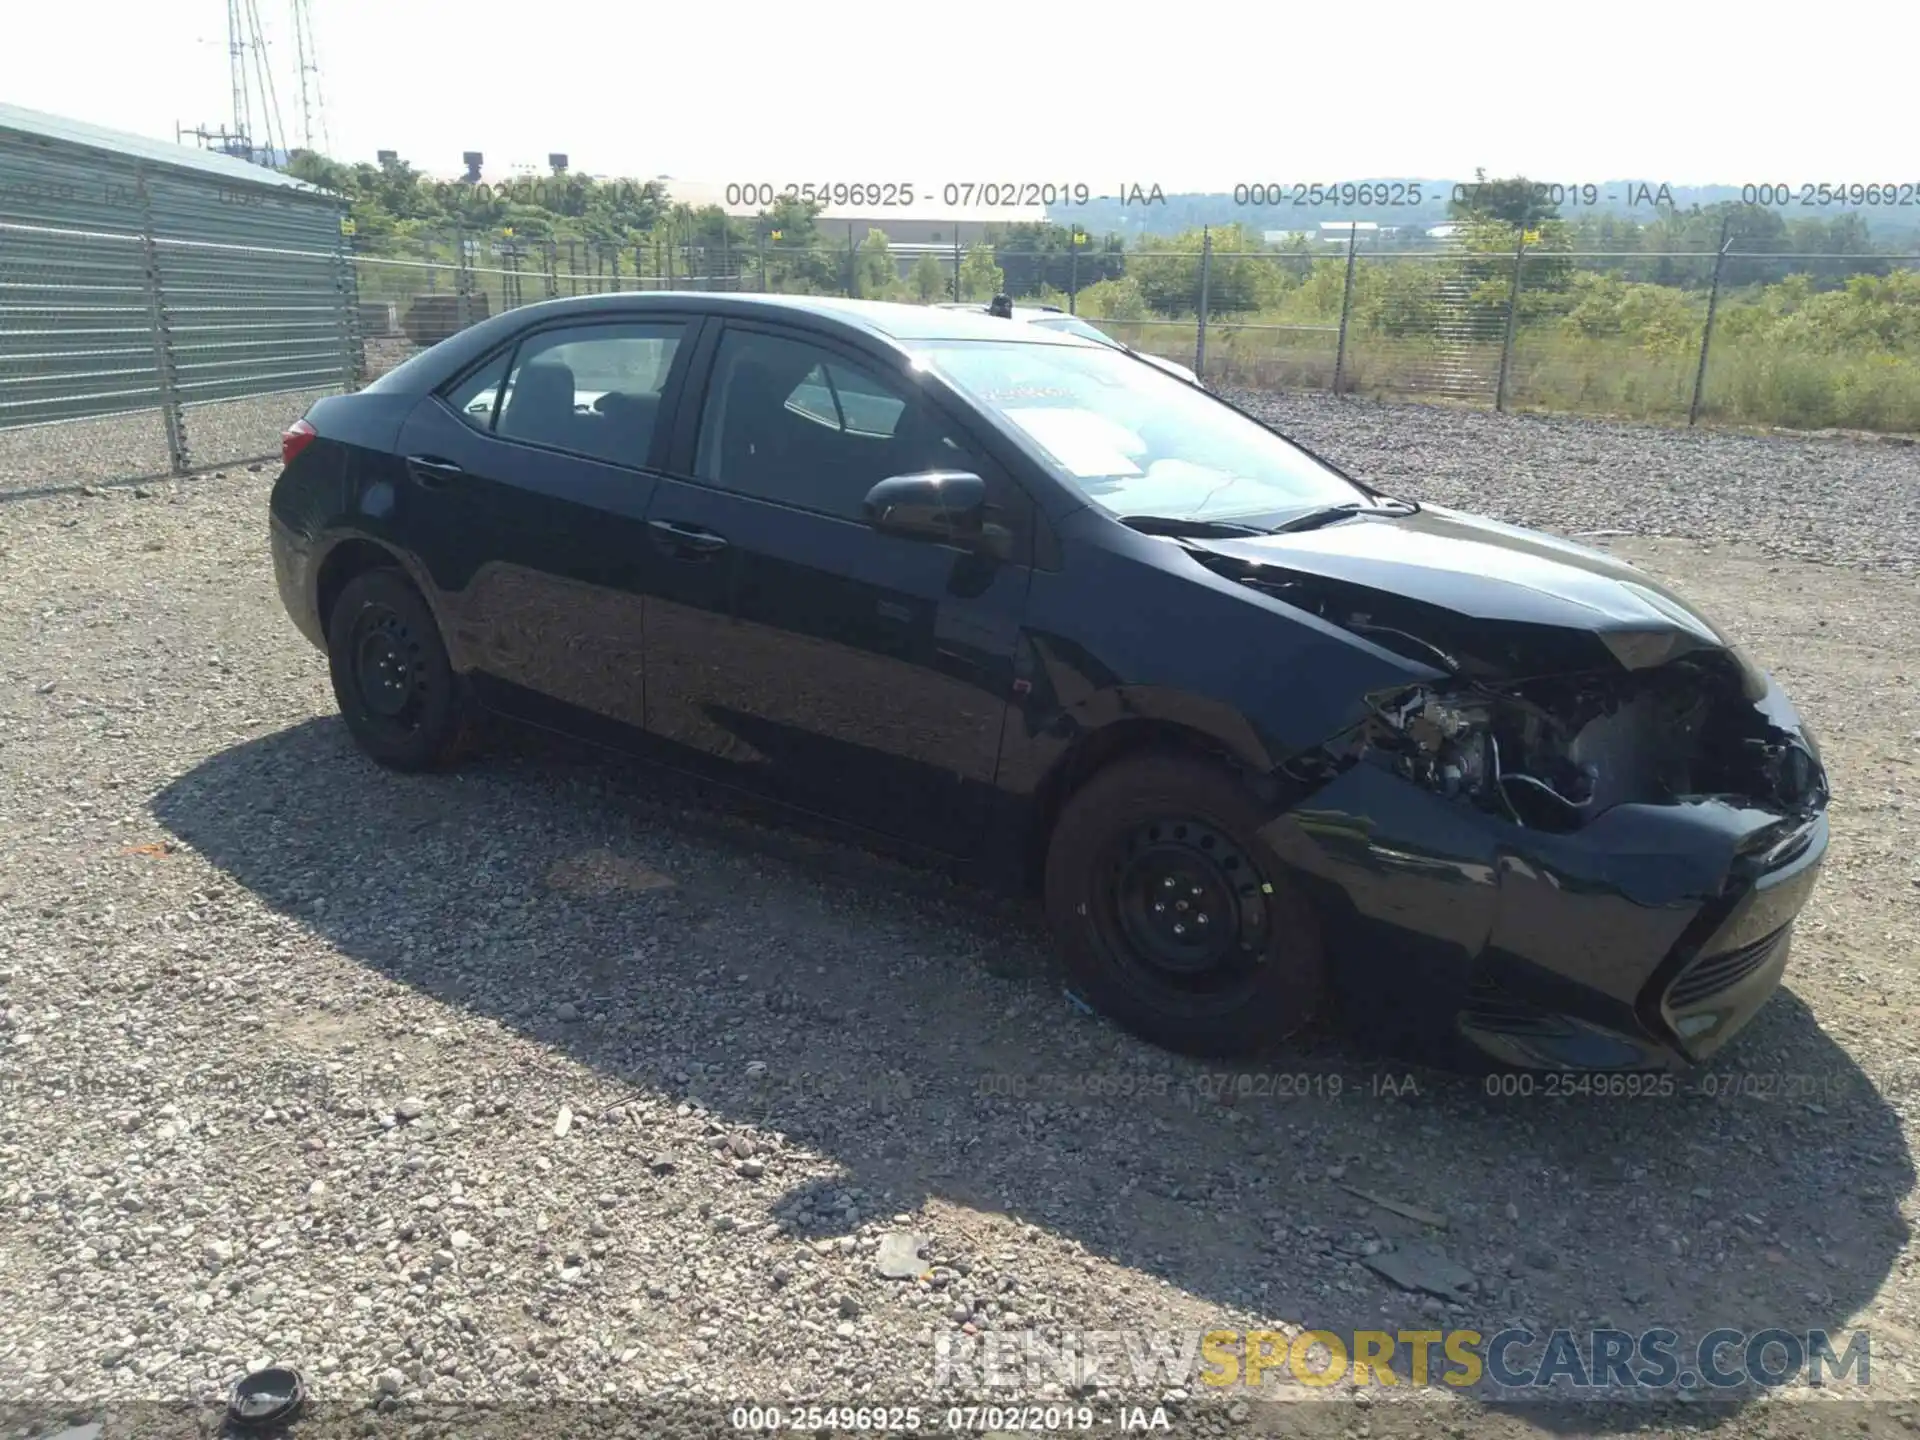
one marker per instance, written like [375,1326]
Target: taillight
[295,438]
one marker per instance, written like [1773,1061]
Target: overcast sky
[1111,92]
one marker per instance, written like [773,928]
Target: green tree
[1040,256]
[1241,274]
[980,277]
[875,275]
[1516,203]
[929,278]
[1114,300]
[798,261]
[1658,318]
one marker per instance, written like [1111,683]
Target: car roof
[1020,312]
[896,326]
[885,318]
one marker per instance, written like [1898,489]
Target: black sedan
[1267,741]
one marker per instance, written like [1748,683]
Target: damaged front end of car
[1551,753]
[1585,846]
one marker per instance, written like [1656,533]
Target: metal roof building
[137,274]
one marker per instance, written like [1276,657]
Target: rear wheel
[391,676]
[1171,915]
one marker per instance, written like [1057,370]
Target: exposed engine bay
[1553,753]
[1601,718]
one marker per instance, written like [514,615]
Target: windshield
[1133,439]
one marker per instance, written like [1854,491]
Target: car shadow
[696,940]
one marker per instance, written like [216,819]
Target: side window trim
[693,332]
[833,393]
[697,392]
[831,350]
[701,395]
[444,392]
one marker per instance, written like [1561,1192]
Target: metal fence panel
[252,322]
[76,328]
[127,285]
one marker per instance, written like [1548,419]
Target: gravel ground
[131,449]
[543,1082]
[1831,500]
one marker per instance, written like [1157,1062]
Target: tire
[1146,835]
[391,677]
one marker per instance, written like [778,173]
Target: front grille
[1711,974]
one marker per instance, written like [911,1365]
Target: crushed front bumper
[1646,939]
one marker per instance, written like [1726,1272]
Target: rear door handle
[686,541]
[431,472]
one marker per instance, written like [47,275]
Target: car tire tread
[441,735]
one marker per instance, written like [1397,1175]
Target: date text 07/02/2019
[1214,1085]
[891,194]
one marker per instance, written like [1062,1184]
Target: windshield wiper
[1327,514]
[1178,525]
[1313,519]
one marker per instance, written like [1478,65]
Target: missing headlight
[1495,751]
[1445,744]
[1553,752]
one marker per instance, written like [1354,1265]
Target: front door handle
[685,541]
[431,472]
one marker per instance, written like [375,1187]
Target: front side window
[788,421]
[1133,439]
[592,390]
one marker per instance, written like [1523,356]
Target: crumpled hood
[1496,599]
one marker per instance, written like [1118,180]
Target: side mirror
[949,506]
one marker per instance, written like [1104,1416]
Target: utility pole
[1346,309]
[1706,335]
[1513,317]
[1206,275]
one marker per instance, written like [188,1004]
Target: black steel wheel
[1182,903]
[1172,917]
[391,676]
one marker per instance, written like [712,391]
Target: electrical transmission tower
[256,132]
[312,101]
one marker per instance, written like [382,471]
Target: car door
[535,470]
[797,651]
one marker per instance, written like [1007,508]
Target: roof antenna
[1001,305]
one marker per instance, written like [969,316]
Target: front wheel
[1172,917]
[391,676]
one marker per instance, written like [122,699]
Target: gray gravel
[1826,499]
[543,1081]
[129,449]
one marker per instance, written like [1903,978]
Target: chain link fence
[1730,337]
[111,322]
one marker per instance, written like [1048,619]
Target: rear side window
[591,390]
[475,397]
